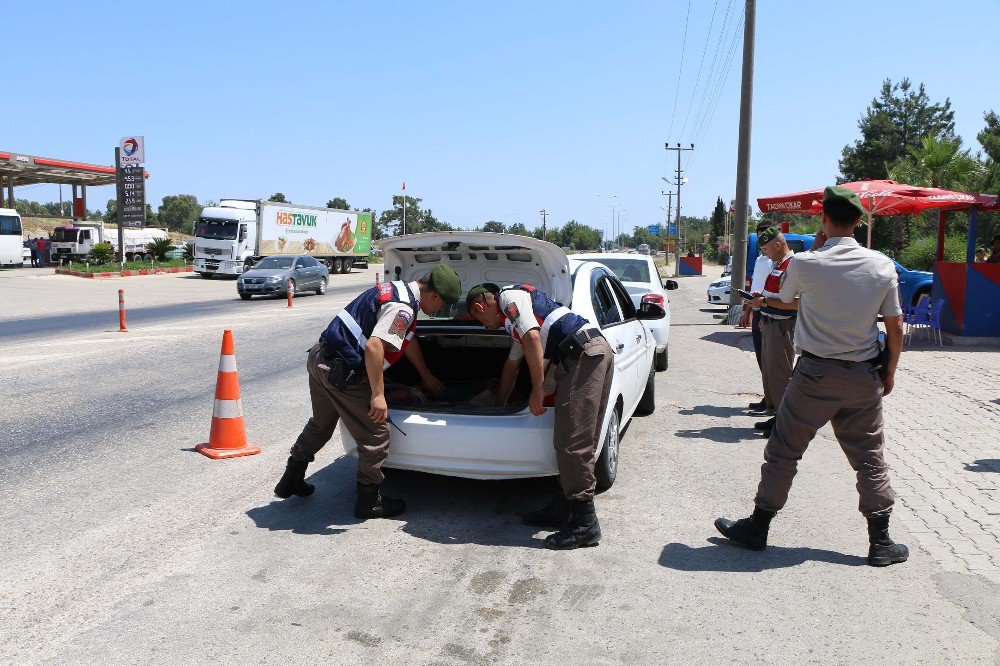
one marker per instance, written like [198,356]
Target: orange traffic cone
[228,437]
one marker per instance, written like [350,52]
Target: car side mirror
[669,285]
[650,311]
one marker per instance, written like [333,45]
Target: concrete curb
[130,273]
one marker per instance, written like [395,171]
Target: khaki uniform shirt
[394,320]
[843,287]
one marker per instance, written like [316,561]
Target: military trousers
[582,389]
[777,356]
[351,404]
[847,395]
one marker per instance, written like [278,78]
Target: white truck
[74,242]
[231,237]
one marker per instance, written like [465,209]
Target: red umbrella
[880,197]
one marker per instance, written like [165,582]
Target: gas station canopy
[18,169]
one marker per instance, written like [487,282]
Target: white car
[642,280]
[718,291]
[465,434]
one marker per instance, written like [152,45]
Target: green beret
[477,291]
[835,193]
[446,283]
[767,236]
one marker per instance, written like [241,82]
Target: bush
[921,253]
[189,252]
[102,253]
[159,248]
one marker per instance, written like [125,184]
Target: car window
[269,263]
[796,246]
[624,301]
[627,270]
[605,305]
[307,262]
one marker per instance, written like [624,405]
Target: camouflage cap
[838,193]
[446,283]
[767,236]
[477,291]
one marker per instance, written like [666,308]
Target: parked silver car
[281,273]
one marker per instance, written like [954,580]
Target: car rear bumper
[470,446]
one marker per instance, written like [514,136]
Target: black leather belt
[872,360]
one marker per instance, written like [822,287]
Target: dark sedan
[279,274]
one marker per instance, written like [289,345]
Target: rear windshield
[627,270]
[10,225]
[275,262]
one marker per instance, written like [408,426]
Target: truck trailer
[231,237]
[74,242]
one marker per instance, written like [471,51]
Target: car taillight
[653,298]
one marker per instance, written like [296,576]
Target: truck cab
[74,242]
[225,238]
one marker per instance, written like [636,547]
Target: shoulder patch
[511,311]
[401,323]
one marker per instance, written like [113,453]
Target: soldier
[761,269]
[545,330]
[840,378]
[345,381]
[777,323]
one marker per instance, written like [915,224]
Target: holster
[571,348]
[882,360]
[342,374]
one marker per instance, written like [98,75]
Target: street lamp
[608,206]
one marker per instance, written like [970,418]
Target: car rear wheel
[321,289]
[606,469]
[661,361]
[647,405]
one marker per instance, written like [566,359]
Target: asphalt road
[120,544]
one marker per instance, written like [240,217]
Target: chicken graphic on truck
[234,235]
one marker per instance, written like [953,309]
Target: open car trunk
[468,363]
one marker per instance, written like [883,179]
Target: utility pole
[670,200]
[677,245]
[543,214]
[739,275]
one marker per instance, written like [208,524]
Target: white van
[11,240]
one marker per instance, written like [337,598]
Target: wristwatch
[764,301]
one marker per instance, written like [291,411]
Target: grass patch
[115,266]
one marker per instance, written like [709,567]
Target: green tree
[111,214]
[717,230]
[159,248]
[896,121]
[937,163]
[518,229]
[101,253]
[495,227]
[178,212]
[580,236]
[418,220]
[338,203]
[278,197]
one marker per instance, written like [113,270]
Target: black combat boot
[371,504]
[748,532]
[757,406]
[882,550]
[582,530]
[765,425]
[293,481]
[556,514]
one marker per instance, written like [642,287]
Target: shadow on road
[724,556]
[440,509]
[713,410]
[722,434]
[738,339]
[984,465]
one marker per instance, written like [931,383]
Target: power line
[697,79]
[709,116]
[680,69]
[715,61]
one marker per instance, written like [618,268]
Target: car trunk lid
[480,257]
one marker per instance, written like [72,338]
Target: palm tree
[159,248]
[937,163]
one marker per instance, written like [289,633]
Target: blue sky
[487,110]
